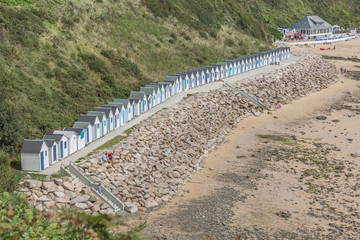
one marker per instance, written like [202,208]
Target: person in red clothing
[110,156]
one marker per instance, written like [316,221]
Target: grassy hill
[61,58]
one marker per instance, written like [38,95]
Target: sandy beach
[290,174]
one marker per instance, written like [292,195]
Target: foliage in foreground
[18,220]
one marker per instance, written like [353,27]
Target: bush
[18,220]
[96,64]
[9,177]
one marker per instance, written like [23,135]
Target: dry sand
[286,175]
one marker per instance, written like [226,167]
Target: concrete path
[168,103]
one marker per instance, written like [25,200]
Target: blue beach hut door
[42,160]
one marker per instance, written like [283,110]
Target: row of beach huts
[39,154]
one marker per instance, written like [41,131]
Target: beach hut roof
[87,118]
[32,146]
[106,110]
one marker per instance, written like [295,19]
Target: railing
[105,194]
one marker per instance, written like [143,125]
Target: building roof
[49,142]
[57,137]
[81,125]
[311,22]
[32,146]
[67,134]
[113,107]
[99,114]
[106,110]
[149,91]
[78,131]
[156,87]
[171,78]
[124,102]
[88,118]
[137,95]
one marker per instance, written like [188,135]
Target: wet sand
[291,174]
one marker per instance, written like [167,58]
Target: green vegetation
[284,140]
[18,220]
[59,59]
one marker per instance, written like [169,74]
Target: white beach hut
[34,155]
[117,118]
[89,130]
[71,140]
[150,93]
[53,147]
[158,92]
[102,119]
[81,134]
[129,107]
[95,125]
[109,116]
[63,150]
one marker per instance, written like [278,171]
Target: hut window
[45,153]
[65,145]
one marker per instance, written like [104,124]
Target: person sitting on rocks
[110,157]
[104,157]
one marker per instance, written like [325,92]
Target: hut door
[230,72]
[87,135]
[42,160]
[61,149]
[54,153]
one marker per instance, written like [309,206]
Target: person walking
[99,188]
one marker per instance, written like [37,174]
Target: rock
[58,181]
[92,199]
[59,194]
[321,117]
[284,214]
[150,204]
[43,199]
[95,208]
[69,186]
[31,183]
[81,205]
[49,205]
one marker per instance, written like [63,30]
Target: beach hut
[158,92]
[128,106]
[176,81]
[122,111]
[230,67]
[207,71]
[63,150]
[174,84]
[71,140]
[196,75]
[162,89]
[109,116]
[34,155]
[191,76]
[88,128]
[150,93]
[117,118]
[216,70]
[140,98]
[81,134]
[167,89]
[94,123]
[221,68]
[53,147]
[102,119]
[184,81]
[211,71]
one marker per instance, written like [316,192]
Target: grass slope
[61,58]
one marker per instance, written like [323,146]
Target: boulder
[69,186]
[31,183]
